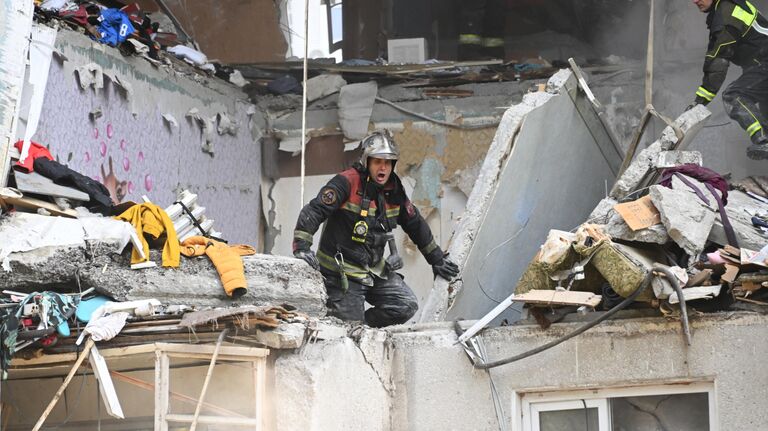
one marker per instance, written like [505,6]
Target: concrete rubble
[98,264]
[655,155]
[682,230]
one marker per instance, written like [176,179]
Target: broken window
[335,28]
[635,409]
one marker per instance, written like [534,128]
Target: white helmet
[379,144]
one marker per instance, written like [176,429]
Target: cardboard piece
[731,271]
[639,214]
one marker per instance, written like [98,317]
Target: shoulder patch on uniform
[328,196]
[410,208]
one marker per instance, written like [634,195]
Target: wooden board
[36,183]
[15,198]
[555,297]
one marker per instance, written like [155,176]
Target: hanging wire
[304,103]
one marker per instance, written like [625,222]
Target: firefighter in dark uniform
[738,33]
[361,207]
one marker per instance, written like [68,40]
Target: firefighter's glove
[394,263]
[309,257]
[446,269]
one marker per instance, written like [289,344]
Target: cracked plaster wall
[437,388]
[149,154]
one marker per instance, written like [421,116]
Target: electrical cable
[436,121]
[485,259]
[683,309]
[623,304]
[586,415]
[304,105]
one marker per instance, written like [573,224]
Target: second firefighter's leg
[742,101]
[392,300]
[493,29]
[471,29]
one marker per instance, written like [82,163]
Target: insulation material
[90,75]
[207,127]
[355,108]
[16,19]
[40,54]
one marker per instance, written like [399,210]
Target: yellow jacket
[226,259]
[150,219]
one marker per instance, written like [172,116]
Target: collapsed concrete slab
[331,386]
[740,209]
[272,280]
[544,155]
[687,220]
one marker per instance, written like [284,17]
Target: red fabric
[35,150]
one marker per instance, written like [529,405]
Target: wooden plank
[36,183]
[12,197]
[559,297]
[209,349]
[213,420]
[162,389]
[106,387]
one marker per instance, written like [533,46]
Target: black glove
[394,263]
[446,269]
[309,257]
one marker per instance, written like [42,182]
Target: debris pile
[157,36]
[75,264]
[697,238]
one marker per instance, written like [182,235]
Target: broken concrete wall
[437,388]
[545,169]
[332,386]
[146,129]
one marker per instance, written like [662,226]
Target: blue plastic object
[88,306]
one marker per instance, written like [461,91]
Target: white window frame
[527,404]
[603,413]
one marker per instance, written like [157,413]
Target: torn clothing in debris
[150,219]
[226,258]
[393,302]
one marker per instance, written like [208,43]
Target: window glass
[569,420]
[681,412]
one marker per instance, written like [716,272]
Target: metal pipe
[683,309]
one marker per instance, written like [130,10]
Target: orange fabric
[226,259]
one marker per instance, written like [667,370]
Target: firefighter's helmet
[381,145]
